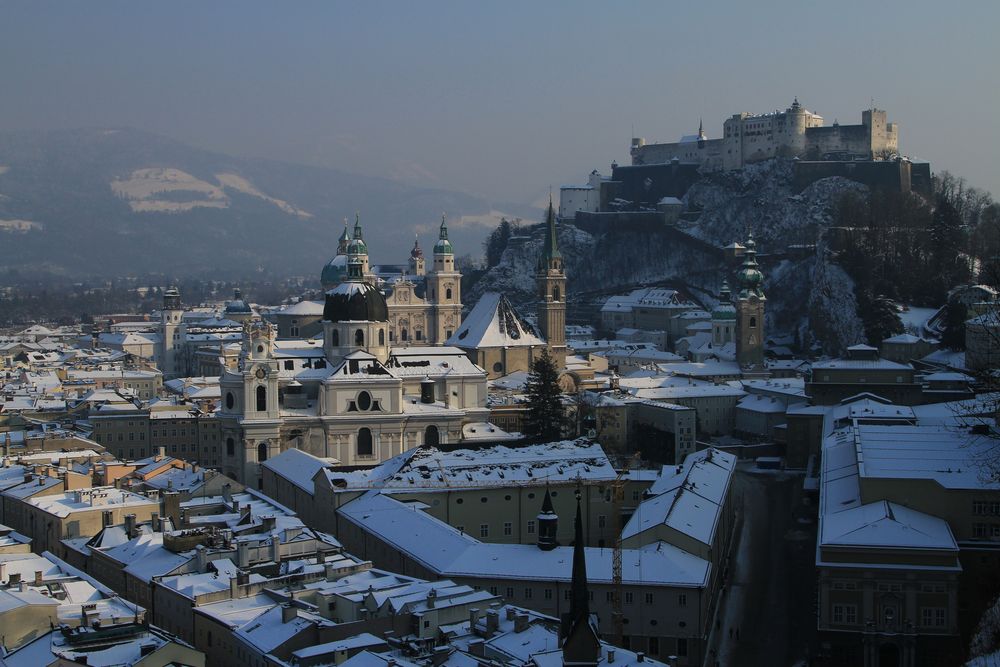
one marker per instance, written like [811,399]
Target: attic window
[462,335]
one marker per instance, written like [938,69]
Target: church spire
[701,129]
[357,225]
[579,601]
[551,249]
[580,644]
[443,246]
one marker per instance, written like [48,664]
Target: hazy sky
[499,98]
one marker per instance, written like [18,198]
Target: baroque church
[379,381]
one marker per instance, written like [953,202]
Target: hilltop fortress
[794,132]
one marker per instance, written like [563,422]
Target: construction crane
[617,497]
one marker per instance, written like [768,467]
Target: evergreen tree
[545,417]
[953,336]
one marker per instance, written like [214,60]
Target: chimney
[288,613]
[227,492]
[154,519]
[520,623]
[275,550]
[38,577]
[473,618]
[640,657]
[130,528]
[427,390]
[14,579]
[492,622]
[201,558]
[477,647]
[161,453]
[431,597]
[244,511]
[3,571]
[108,518]
[27,478]
[234,587]
[511,613]
[611,655]
[243,554]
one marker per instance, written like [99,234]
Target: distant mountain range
[125,202]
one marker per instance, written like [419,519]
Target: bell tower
[444,290]
[749,304]
[173,332]
[551,279]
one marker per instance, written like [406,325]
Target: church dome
[417,252]
[443,245]
[237,306]
[334,272]
[355,301]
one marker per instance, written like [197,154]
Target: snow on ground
[19,225]
[169,190]
[915,318]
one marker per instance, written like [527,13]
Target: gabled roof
[494,322]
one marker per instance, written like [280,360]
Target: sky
[499,99]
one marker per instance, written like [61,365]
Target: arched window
[359,337]
[365,446]
[753,322]
[381,336]
[555,293]
[230,447]
[261,452]
[230,400]
[335,338]
[261,398]
[447,294]
[431,436]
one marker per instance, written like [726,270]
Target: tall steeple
[580,643]
[551,257]
[749,304]
[357,249]
[551,280]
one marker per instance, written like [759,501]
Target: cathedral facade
[377,384]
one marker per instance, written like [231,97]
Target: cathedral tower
[749,304]
[444,290]
[551,279]
[357,249]
[417,259]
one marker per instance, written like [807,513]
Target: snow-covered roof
[688,498]
[886,525]
[494,322]
[298,467]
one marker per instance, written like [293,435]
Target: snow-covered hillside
[808,295]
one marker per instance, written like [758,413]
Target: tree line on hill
[903,248]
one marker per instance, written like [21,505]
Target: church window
[448,333]
[555,293]
[381,336]
[230,400]
[447,294]
[230,447]
[753,322]
[260,349]
[261,452]
[364,400]
[419,334]
[359,337]
[403,335]
[261,398]
[365,446]
[497,367]
[335,338]
[432,436]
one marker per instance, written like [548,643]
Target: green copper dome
[443,246]
[750,277]
[357,246]
[725,310]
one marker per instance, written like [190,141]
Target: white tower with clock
[250,412]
